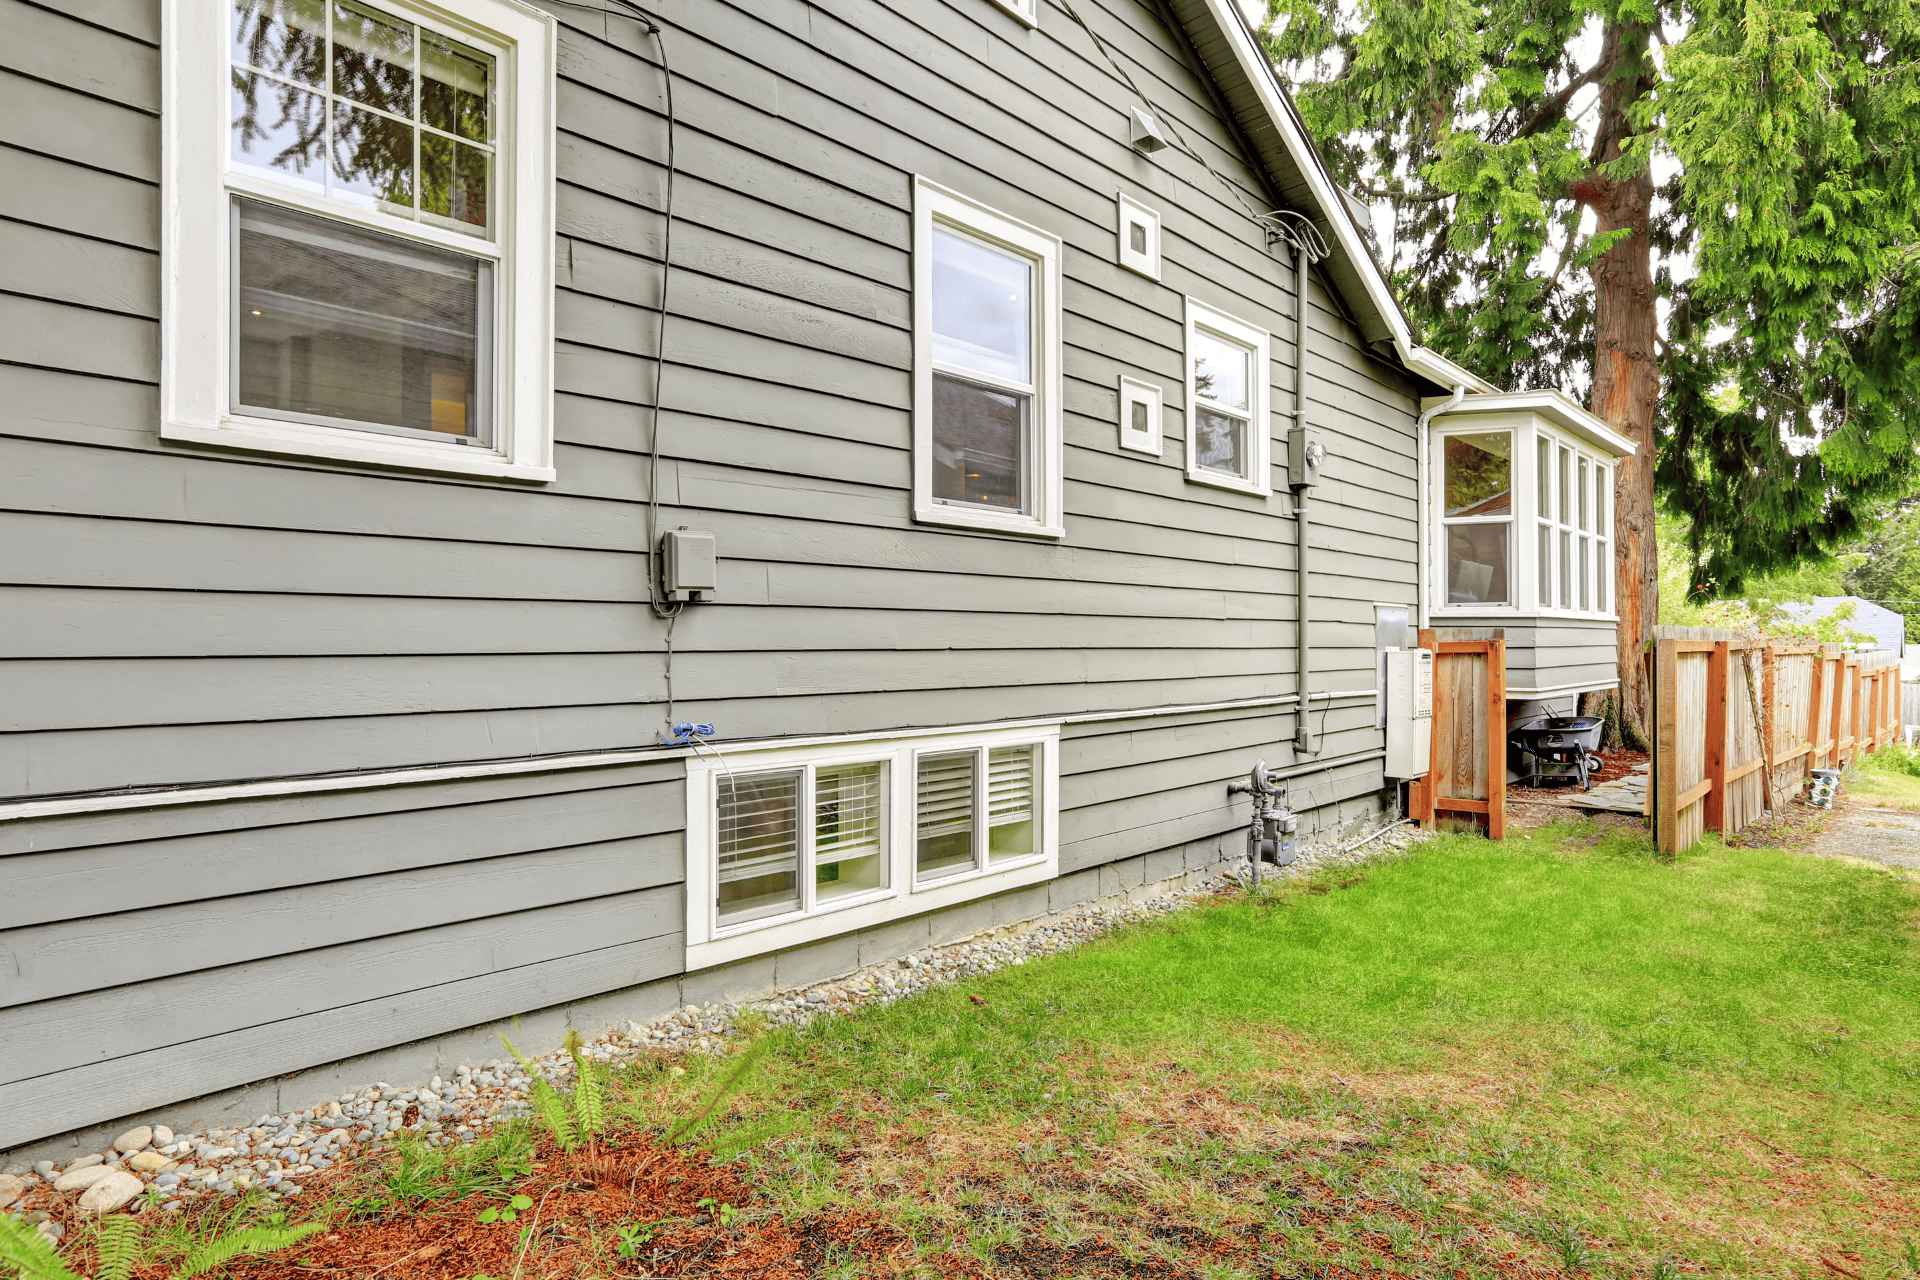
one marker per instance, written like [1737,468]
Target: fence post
[1666,743]
[1769,728]
[1816,701]
[1713,809]
[1497,739]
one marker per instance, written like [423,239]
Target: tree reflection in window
[401,114]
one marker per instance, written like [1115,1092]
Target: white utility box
[1409,712]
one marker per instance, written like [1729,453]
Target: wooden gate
[1468,773]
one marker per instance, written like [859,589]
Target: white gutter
[1421,436]
[1424,361]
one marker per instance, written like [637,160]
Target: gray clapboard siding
[54,336]
[72,956]
[59,50]
[70,884]
[46,192]
[121,1085]
[63,125]
[192,1005]
[65,268]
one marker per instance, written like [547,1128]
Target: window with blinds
[1010,802]
[849,830]
[943,813]
[759,846]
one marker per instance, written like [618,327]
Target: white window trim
[1579,449]
[709,944]
[934,203]
[1133,391]
[1130,212]
[1025,10]
[1523,551]
[197,190]
[1200,315]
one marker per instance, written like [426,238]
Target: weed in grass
[487,1166]
[508,1212]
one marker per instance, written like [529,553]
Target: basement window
[790,844]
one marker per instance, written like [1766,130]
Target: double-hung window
[358,252]
[987,413]
[1228,432]
[1476,517]
[788,844]
[1573,507]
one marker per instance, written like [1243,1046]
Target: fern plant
[570,1128]
[32,1255]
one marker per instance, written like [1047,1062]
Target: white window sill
[781,933]
[343,445]
[1220,480]
[982,518]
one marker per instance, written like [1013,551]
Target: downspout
[1426,460]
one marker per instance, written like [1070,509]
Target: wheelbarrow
[1559,748]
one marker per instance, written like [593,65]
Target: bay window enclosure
[1228,423]
[787,844]
[1477,517]
[360,265]
[1522,511]
[1573,516]
[987,367]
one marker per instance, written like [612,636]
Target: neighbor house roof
[1883,624]
[1268,119]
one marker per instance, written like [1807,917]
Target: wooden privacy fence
[1467,773]
[1741,720]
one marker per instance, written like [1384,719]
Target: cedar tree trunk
[1626,377]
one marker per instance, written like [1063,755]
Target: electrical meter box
[1409,712]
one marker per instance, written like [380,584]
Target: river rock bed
[153,1169]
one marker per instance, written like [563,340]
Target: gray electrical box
[1409,713]
[1304,456]
[689,564]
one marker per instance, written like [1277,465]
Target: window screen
[849,825]
[983,387]
[759,845]
[1011,787]
[943,813]
[349,327]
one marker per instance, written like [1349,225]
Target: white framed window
[1140,416]
[1228,383]
[1025,10]
[1476,508]
[787,844]
[357,252]
[1573,506]
[986,341]
[1139,237]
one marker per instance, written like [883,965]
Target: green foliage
[508,1212]
[1782,135]
[736,1075]
[1895,758]
[31,1257]
[588,1114]
[1885,566]
[633,1236]
[487,1166]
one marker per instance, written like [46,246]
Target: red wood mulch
[579,1202]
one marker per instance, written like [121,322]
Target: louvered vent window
[849,825]
[943,813]
[1010,802]
[759,832]
[792,843]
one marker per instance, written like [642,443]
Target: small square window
[1025,10]
[1140,416]
[1139,238]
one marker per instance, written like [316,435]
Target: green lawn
[1552,1056]
[1553,1052]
